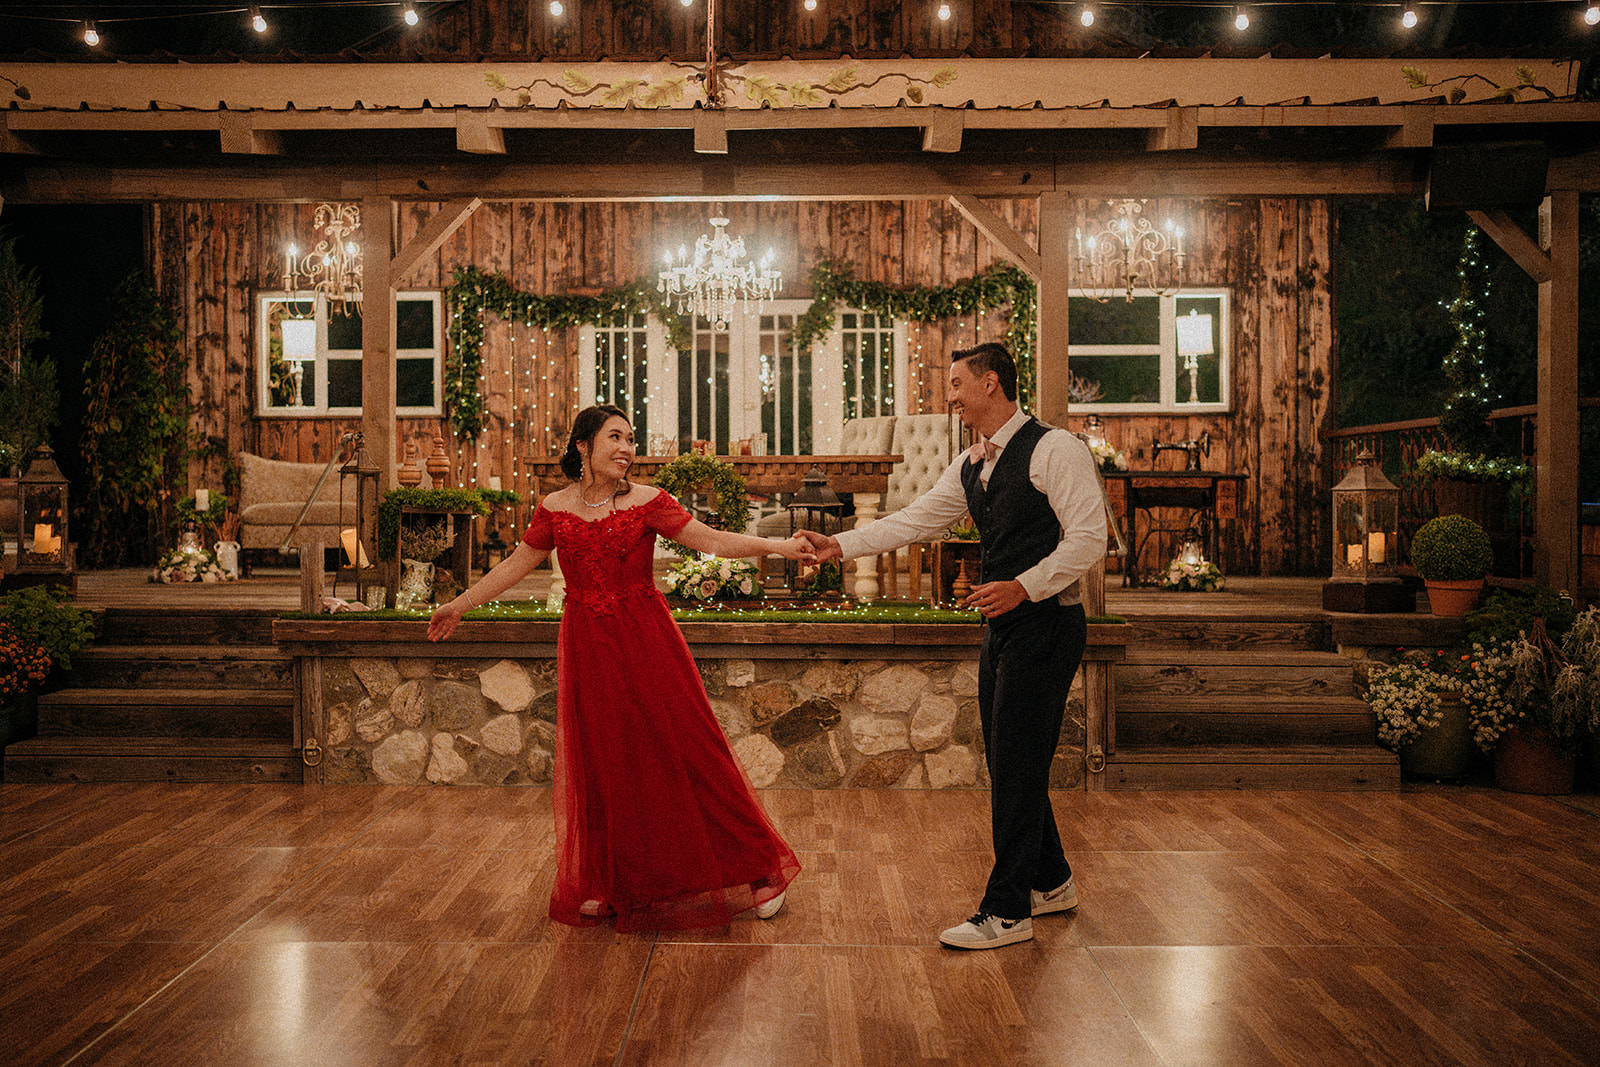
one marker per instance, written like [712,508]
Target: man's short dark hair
[991,356]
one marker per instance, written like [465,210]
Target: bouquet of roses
[189,565]
[1203,577]
[711,577]
[1108,457]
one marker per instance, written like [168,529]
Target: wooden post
[1050,340]
[377,336]
[311,588]
[1556,433]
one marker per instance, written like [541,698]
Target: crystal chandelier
[333,267]
[718,277]
[1129,252]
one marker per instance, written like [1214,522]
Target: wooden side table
[458,560]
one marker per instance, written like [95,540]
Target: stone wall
[867,723]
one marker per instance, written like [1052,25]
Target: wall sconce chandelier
[718,277]
[333,266]
[1127,252]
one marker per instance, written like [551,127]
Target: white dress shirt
[1062,468]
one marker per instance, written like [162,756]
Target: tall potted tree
[1452,556]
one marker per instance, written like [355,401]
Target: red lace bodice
[609,558]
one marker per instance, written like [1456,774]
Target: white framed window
[1154,353]
[309,357]
[615,367]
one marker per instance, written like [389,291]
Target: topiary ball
[1451,548]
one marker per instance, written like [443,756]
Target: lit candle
[1375,547]
[494,482]
[41,538]
[202,500]
[351,549]
[1354,555]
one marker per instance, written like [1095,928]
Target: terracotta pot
[1531,763]
[1446,750]
[1453,599]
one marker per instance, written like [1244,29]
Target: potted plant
[1420,713]
[39,632]
[1452,555]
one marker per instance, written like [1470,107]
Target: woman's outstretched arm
[507,573]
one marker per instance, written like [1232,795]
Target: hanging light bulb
[811,5]
[944,12]
[91,36]
[258,22]
[1591,14]
[1086,16]
[1241,20]
[408,13]
[1408,19]
[557,9]
[686,3]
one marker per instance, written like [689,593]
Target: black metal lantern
[1366,525]
[815,507]
[358,481]
[43,546]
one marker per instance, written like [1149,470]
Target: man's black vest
[1016,524]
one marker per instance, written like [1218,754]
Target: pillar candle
[353,551]
[1375,547]
[41,538]
[494,482]
[202,500]
[1353,553]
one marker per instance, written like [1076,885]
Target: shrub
[1451,548]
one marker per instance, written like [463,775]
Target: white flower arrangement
[1109,458]
[711,577]
[1202,577]
[190,565]
[1407,698]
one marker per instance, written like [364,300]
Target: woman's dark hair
[584,428]
[991,356]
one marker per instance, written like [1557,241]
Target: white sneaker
[988,931]
[770,908]
[1062,898]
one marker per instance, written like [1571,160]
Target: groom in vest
[1034,495]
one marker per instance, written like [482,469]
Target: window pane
[1122,379]
[344,383]
[1115,323]
[413,382]
[344,331]
[413,324]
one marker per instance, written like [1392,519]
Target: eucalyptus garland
[474,293]
[686,474]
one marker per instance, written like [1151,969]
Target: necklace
[614,494]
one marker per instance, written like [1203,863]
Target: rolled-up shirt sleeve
[1063,470]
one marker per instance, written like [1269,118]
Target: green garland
[687,473]
[474,293]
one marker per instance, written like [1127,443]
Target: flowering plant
[23,664]
[1109,458]
[1204,577]
[1535,682]
[711,577]
[1407,696]
[189,565]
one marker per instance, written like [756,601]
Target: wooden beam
[1182,131]
[377,336]
[998,230]
[13,143]
[710,132]
[475,134]
[240,137]
[1514,242]
[1555,435]
[1050,345]
[943,131]
[431,236]
[1415,129]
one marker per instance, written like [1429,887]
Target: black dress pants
[1024,674]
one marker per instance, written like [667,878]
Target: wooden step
[1148,674]
[171,666]
[1209,719]
[175,759]
[167,713]
[1327,767]
[1305,632]
[186,626]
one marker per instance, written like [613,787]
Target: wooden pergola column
[377,336]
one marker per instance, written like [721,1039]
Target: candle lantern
[358,481]
[815,507]
[43,546]
[1366,522]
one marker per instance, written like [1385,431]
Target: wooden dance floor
[205,925]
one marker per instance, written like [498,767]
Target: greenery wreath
[685,474]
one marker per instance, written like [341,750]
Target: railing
[1396,446]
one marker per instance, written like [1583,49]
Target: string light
[1408,19]
[811,5]
[91,36]
[258,21]
[686,3]
[1591,14]
[408,13]
[557,9]
[1241,20]
[1086,16]
[944,12]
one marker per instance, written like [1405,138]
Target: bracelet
[468,594]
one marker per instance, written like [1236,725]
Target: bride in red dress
[656,822]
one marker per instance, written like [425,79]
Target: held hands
[996,598]
[826,547]
[446,617]
[795,547]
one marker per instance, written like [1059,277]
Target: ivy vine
[685,474]
[474,293]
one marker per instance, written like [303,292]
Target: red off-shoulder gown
[656,821]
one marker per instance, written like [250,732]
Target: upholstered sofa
[271,494]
